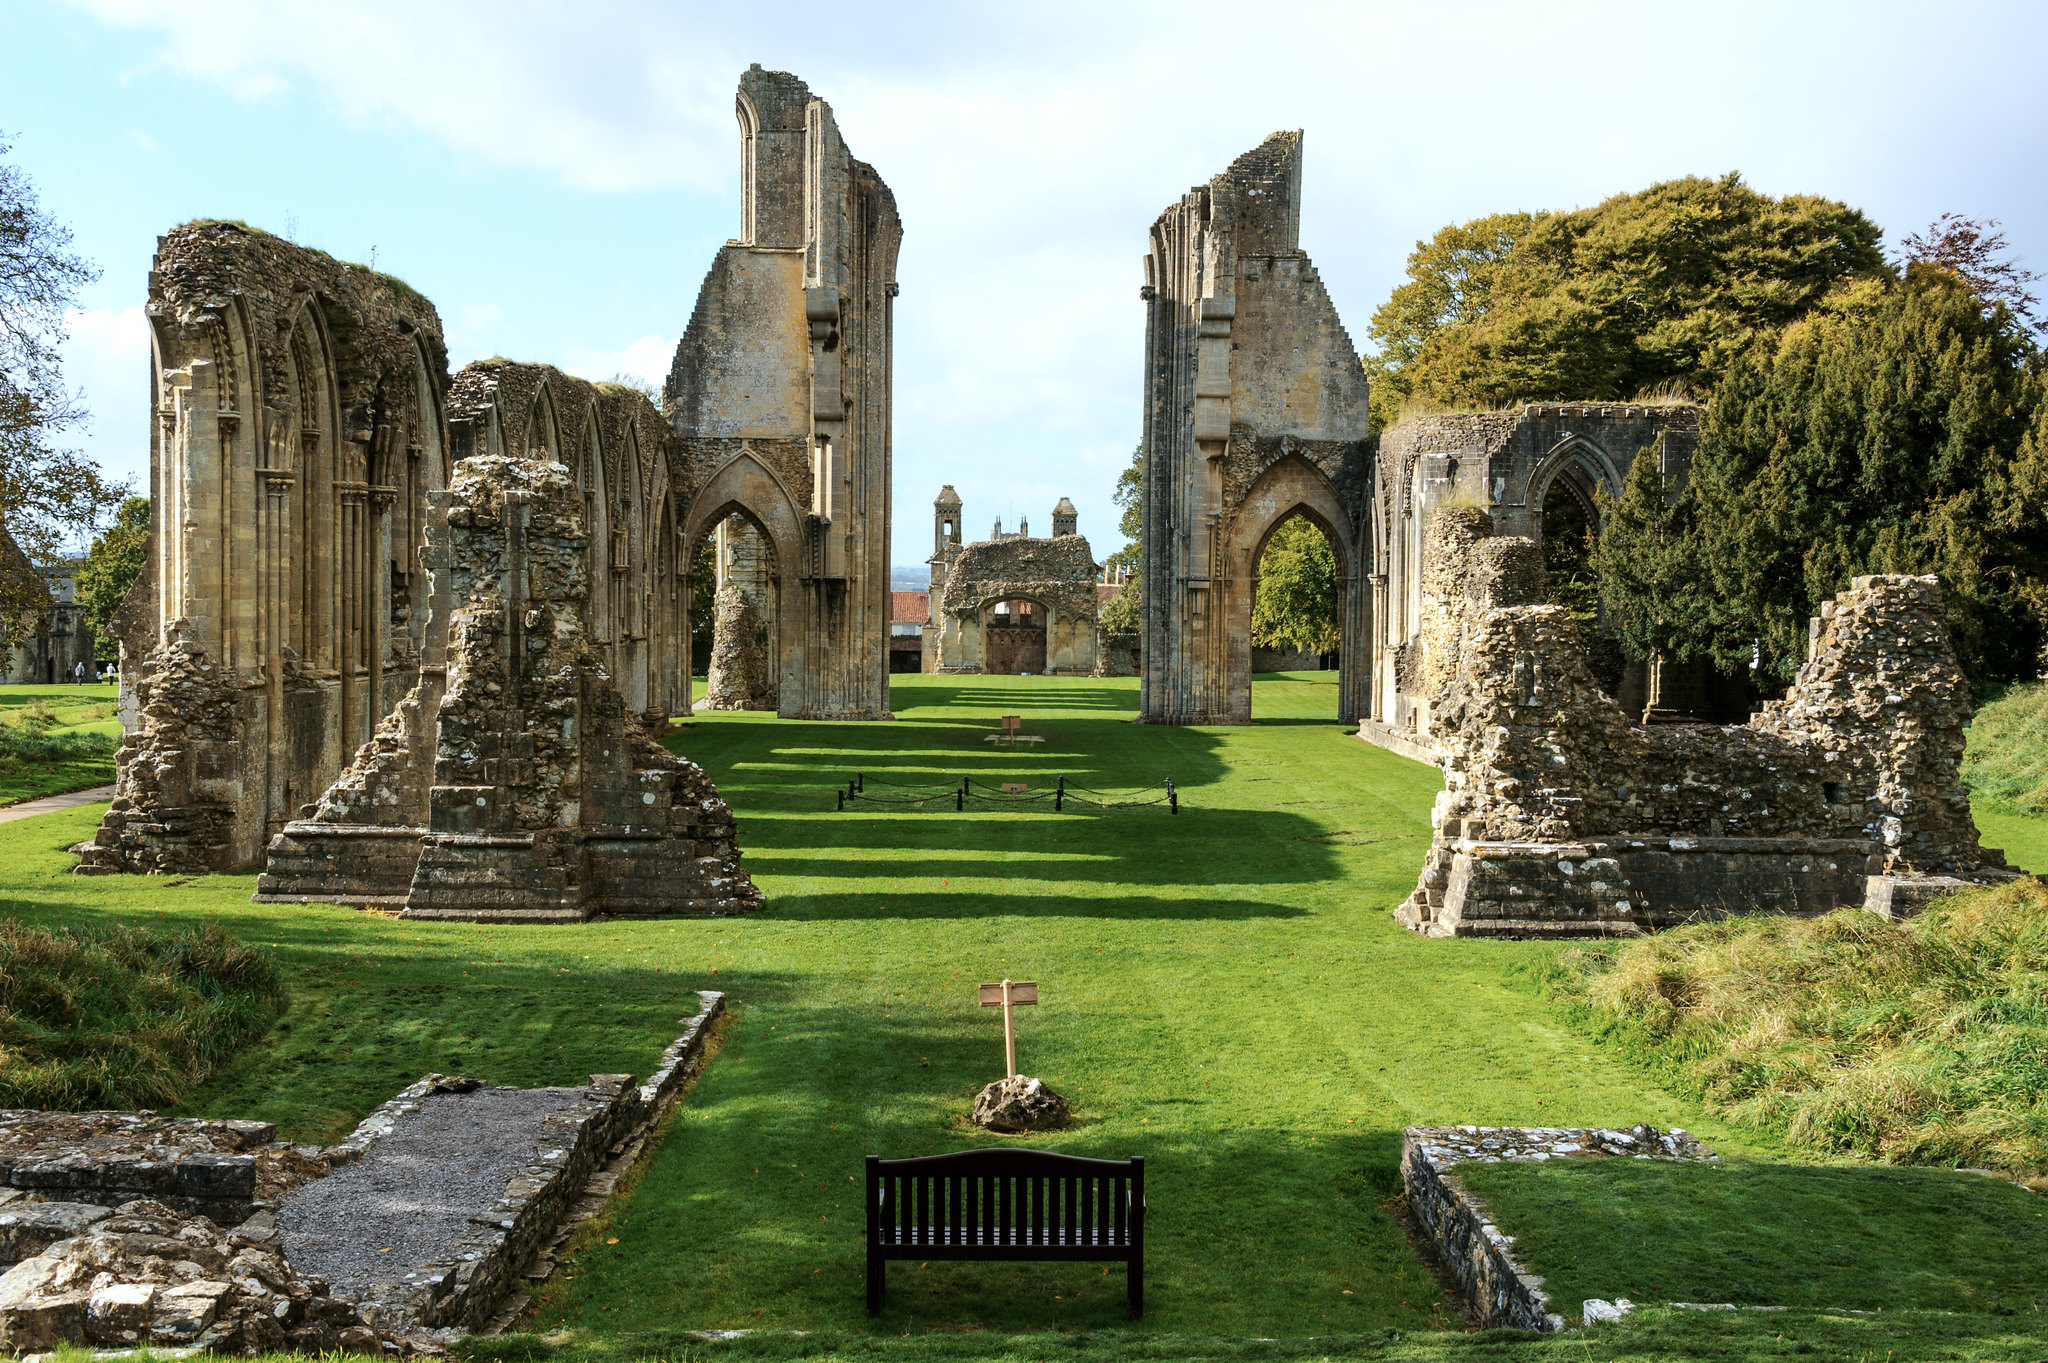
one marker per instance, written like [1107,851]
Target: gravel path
[368,1224]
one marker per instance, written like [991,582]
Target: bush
[1914,1043]
[112,1017]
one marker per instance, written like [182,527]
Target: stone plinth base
[363,865]
[1898,897]
[1394,741]
[1622,886]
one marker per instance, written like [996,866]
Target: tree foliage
[1120,614]
[1978,254]
[1640,293]
[47,495]
[1899,429]
[115,560]
[1297,606]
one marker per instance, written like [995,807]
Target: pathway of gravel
[368,1224]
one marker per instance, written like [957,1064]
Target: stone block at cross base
[1021,1103]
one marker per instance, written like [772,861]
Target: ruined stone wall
[1059,574]
[1502,464]
[1561,817]
[297,435]
[1255,411]
[780,396]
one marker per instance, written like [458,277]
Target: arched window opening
[1297,622]
[1569,530]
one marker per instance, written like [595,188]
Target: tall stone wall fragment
[297,435]
[780,395]
[549,802]
[1255,411]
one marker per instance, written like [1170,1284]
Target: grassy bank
[111,1017]
[55,739]
[1917,1043]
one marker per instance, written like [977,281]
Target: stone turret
[1065,520]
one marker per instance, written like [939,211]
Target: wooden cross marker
[1010,994]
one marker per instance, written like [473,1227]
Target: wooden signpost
[1010,994]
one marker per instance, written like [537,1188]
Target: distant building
[1012,603]
[61,640]
[909,613]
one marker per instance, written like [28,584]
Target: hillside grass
[115,1017]
[1755,1234]
[2006,761]
[1924,1042]
[55,739]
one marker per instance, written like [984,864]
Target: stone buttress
[1255,411]
[780,399]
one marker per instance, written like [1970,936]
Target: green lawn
[85,709]
[1224,993]
[1848,1237]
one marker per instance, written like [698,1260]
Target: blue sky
[557,177]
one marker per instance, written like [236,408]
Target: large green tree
[1641,292]
[111,567]
[47,495]
[1900,428]
[1297,606]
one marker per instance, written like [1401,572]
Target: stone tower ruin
[780,395]
[1255,411]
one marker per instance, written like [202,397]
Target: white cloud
[646,360]
[141,139]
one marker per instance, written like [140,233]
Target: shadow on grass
[914,905]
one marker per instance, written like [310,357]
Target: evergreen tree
[1897,430]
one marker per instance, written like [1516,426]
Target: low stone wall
[1498,1291]
[223,1170]
[483,1268]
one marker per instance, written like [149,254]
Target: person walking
[78,673]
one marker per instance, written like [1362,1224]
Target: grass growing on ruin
[56,738]
[1923,1042]
[109,1016]
[1848,1238]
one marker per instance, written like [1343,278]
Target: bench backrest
[1006,1197]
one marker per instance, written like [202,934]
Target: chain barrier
[924,795]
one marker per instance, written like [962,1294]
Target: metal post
[1059,797]
[863,782]
[1009,1032]
[849,788]
[1172,797]
[842,800]
[959,801]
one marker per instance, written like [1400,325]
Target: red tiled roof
[1104,591]
[910,608]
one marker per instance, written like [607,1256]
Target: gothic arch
[1585,466]
[746,484]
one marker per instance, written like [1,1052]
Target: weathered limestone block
[149,1275]
[1561,817]
[179,780]
[548,802]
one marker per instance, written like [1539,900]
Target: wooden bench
[1006,1204]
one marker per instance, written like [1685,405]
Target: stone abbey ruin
[408,639]
[405,639]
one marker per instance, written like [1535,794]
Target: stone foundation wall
[1854,774]
[224,1170]
[1499,1293]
